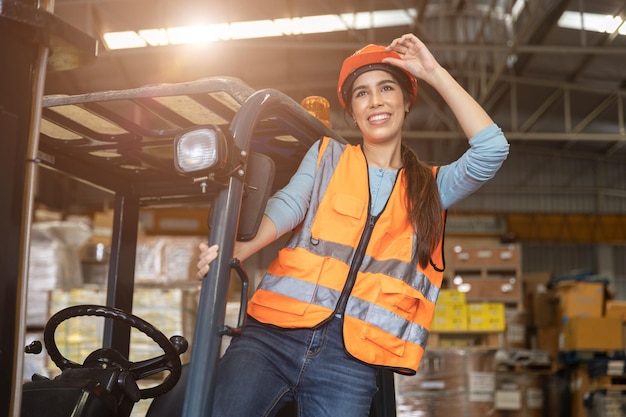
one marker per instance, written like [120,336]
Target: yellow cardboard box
[448,323]
[451,309]
[451,296]
[450,317]
[486,316]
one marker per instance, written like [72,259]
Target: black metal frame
[267,111]
[26,35]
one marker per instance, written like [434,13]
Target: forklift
[215,143]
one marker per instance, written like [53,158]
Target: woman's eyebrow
[378,84]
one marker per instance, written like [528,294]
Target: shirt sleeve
[488,151]
[288,206]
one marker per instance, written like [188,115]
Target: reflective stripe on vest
[327,297]
[391,303]
[392,267]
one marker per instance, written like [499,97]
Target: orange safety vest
[343,260]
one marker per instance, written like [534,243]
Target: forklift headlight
[202,149]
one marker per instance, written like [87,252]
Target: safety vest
[342,260]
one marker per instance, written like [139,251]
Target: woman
[355,287]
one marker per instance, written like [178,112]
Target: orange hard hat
[367,59]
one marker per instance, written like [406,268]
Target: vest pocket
[385,342]
[339,218]
[349,205]
[399,298]
[397,305]
[290,285]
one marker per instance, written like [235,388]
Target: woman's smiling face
[378,106]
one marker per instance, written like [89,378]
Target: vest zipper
[359,254]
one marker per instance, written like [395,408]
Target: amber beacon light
[319,107]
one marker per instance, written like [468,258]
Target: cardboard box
[497,256]
[448,323]
[580,299]
[519,395]
[534,281]
[102,226]
[548,340]
[591,334]
[166,259]
[544,308]
[491,289]
[449,317]
[451,296]
[486,317]
[516,328]
[450,311]
[616,309]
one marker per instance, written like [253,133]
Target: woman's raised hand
[416,57]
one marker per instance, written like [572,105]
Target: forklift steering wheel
[105,357]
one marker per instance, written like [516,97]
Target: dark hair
[423,203]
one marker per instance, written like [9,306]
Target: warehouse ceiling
[540,82]
[551,89]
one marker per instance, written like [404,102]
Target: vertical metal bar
[30,174]
[20,90]
[567,110]
[11,278]
[514,114]
[121,280]
[212,303]
[214,290]
[620,113]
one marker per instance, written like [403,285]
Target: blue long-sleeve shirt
[488,150]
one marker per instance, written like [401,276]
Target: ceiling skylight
[198,34]
[592,22]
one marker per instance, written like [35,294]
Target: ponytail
[423,205]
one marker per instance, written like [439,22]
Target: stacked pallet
[466,382]
[577,325]
[481,302]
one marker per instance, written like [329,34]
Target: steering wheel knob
[180,344]
[34,347]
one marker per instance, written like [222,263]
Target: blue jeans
[266,368]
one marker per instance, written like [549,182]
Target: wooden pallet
[492,339]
